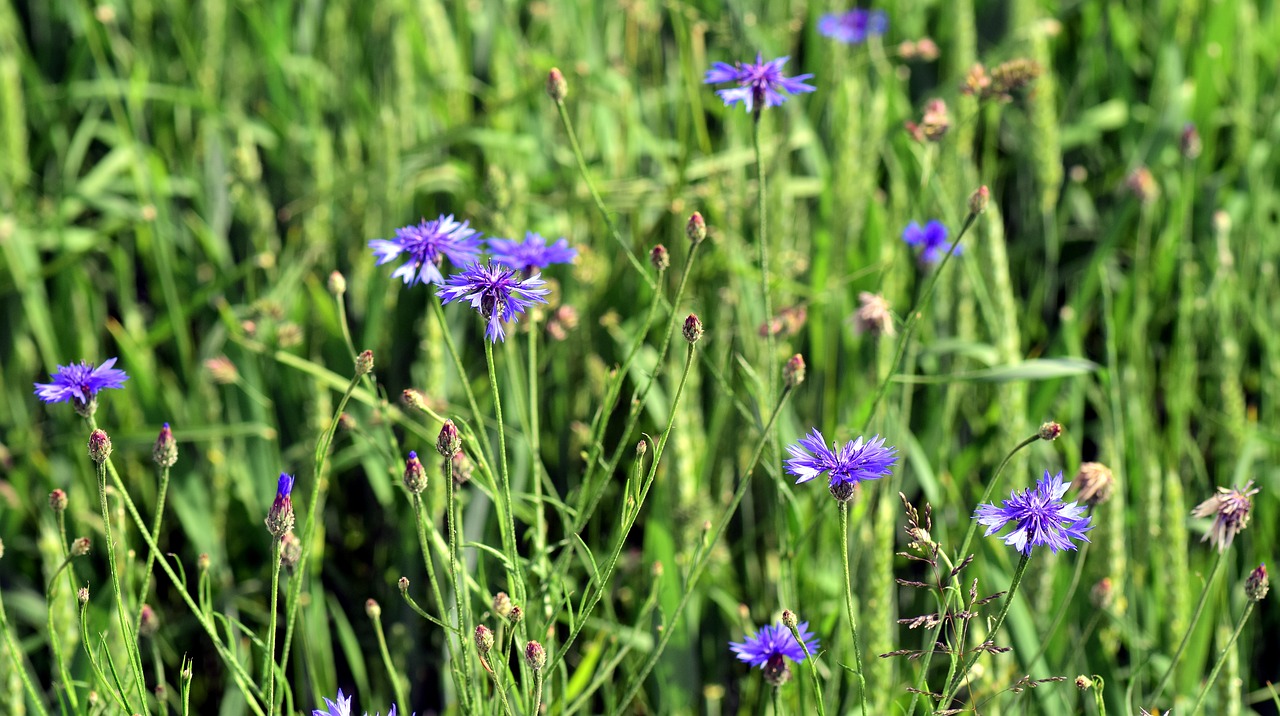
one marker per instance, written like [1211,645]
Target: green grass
[178,181]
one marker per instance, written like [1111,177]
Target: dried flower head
[873,317]
[80,383]
[760,84]
[280,516]
[80,547]
[858,460]
[496,292]
[532,253]
[793,373]
[1093,483]
[1009,77]
[1229,508]
[1040,516]
[933,124]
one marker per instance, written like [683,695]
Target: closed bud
[696,229]
[793,371]
[82,595]
[372,608]
[1190,142]
[979,199]
[460,466]
[642,447]
[80,547]
[557,88]
[535,656]
[1084,683]
[516,615]
[789,619]
[1102,593]
[501,604]
[403,584]
[337,283]
[165,451]
[448,442]
[415,475]
[148,623]
[280,517]
[414,399]
[364,363]
[484,639]
[203,562]
[659,257]
[1256,586]
[1050,431]
[692,329]
[58,500]
[99,446]
[290,551]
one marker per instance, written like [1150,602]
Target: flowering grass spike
[772,643]
[759,85]
[1042,518]
[496,292]
[428,244]
[532,253]
[853,27]
[858,460]
[81,382]
[933,237]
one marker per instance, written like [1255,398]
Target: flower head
[853,27]
[759,85]
[874,316]
[80,382]
[768,646]
[280,516]
[428,244]
[533,252]
[1042,517]
[496,292]
[858,460]
[340,707]
[1229,508]
[933,237]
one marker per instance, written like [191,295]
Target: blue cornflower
[1041,515]
[855,26]
[341,707]
[758,83]
[280,517]
[767,646]
[858,460]
[497,292]
[531,253]
[81,382]
[933,237]
[428,244]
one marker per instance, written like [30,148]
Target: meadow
[981,244]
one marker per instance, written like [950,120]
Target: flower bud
[99,446]
[535,656]
[696,229]
[484,639]
[692,329]
[364,363]
[659,257]
[1256,586]
[793,371]
[516,615]
[501,604]
[979,199]
[280,517]
[80,547]
[203,562]
[789,619]
[337,283]
[557,88]
[58,500]
[403,584]
[148,622]
[448,442]
[1050,431]
[642,447]
[82,595]
[1189,143]
[415,476]
[165,451]
[414,399]
[372,608]
[1083,682]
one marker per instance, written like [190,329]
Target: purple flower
[531,253]
[280,517]
[858,460]
[853,27]
[1042,517]
[341,707]
[496,292]
[81,382]
[758,83]
[428,244]
[933,237]
[1229,507]
[772,643]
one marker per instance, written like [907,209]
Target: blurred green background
[178,180]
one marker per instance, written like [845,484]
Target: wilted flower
[532,253]
[1094,483]
[767,647]
[934,123]
[858,460]
[428,244]
[1009,77]
[933,239]
[280,516]
[873,315]
[760,85]
[853,27]
[793,373]
[496,293]
[1229,508]
[80,382]
[1142,184]
[1041,516]
[222,370]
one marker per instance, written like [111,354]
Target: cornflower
[933,237]
[428,244]
[853,27]
[769,647]
[1229,508]
[80,382]
[532,253]
[858,460]
[1041,516]
[496,292]
[761,83]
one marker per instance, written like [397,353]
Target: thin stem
[703,557]
[55,644]
[848,605]
[429,563]
[1062,608]
[16,657]
[1195,617]
[155,537]
[396,687]
[537,691]
[476,415]
[991,635]
[595,195]
[126,627]
[1222,658]
[762,251]
[535,448]
[461,603]
[777,699]
[912,319]
[270,665]
[514,576]
[813,671]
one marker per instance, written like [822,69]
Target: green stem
[396,687]
[429,563]
[126,627]
[762,252]
[1222,658]
[595,196]
[155,537]
[813,671]
[777,699]
[912,319]
[1195,617]
[271,625]
[514,576]
[848,605]
[1062,608]
[16,657]
[461,603]
[949,694]
[477,417]
[54,642]
[537,691]
[703,557]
